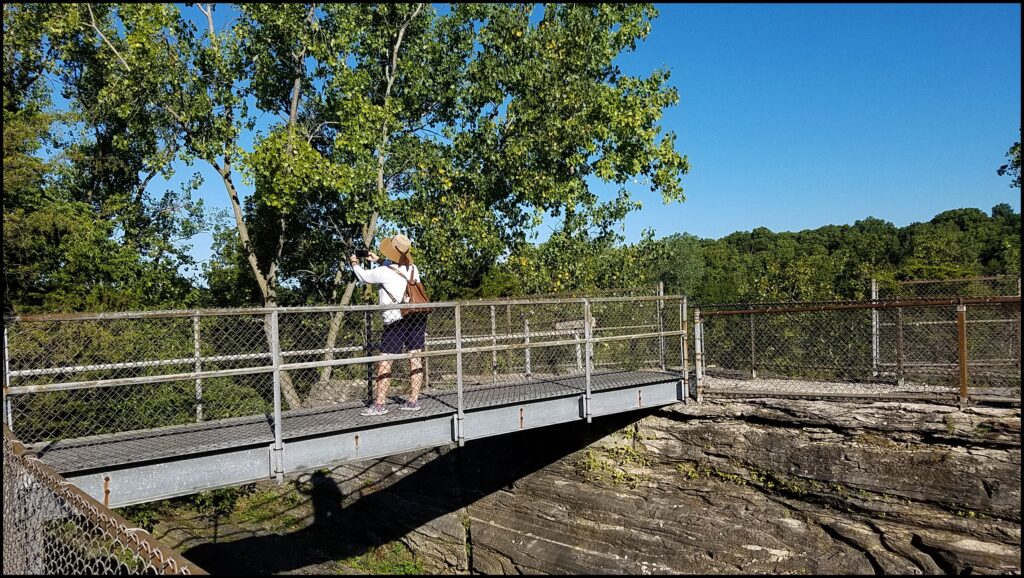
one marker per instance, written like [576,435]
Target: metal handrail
[868,305]
[185,313]
[578,340]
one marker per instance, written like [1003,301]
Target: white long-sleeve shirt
[392,281]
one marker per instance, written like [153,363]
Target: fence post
[588,335]
[1016,349]
[961,333]
[460,434]
[275,356]
[874,328]
[494,343]
[661,324]
[508,326]
[683,344]
[899,347]
[526,340]
[698,353]
[199,366]
[753,350]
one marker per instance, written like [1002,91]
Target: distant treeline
[828,263]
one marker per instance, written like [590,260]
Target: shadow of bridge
[353,518]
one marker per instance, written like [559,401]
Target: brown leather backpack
[414,293]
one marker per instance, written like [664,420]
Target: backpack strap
[396,301]
[402,275]
[412,272]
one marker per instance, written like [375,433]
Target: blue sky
[796,116]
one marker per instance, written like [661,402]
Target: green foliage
[621,464]
[269,508]
[220,503]
[1012,168]
[391,558]
[461,139]
[82,228]
[463,130]
[145,516]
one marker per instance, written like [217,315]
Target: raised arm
[366,275]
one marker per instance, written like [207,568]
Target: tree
[83,228]
[1012,168]
[462,129]
[463,148]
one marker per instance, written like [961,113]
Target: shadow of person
[325,496]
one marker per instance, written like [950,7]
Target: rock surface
[726,486]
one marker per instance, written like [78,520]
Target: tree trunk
[336,319]
[266,286]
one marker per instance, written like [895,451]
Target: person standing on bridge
[400,334]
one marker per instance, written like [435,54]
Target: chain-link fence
[74,376]
[968,348]
[91,374]
[51,527]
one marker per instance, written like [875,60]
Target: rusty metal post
[753,350]
[197,352]
[899,347]
[874,329]
[961,333]
[1018,347]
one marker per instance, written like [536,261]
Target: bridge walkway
[75,456]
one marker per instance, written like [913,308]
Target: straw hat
[396,248]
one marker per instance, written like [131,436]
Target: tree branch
[95,27]
[209,18]
[243,231]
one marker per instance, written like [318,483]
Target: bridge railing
[52,527]
[79,375]
[961,348]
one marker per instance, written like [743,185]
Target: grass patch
[391,558]
[271,507]
[145,516]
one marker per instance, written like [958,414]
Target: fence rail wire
[52,527]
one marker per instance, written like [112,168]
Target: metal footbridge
[136,407]
[143,406]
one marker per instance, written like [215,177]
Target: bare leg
[415,375]
[383,381]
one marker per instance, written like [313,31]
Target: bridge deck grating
[82,454]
